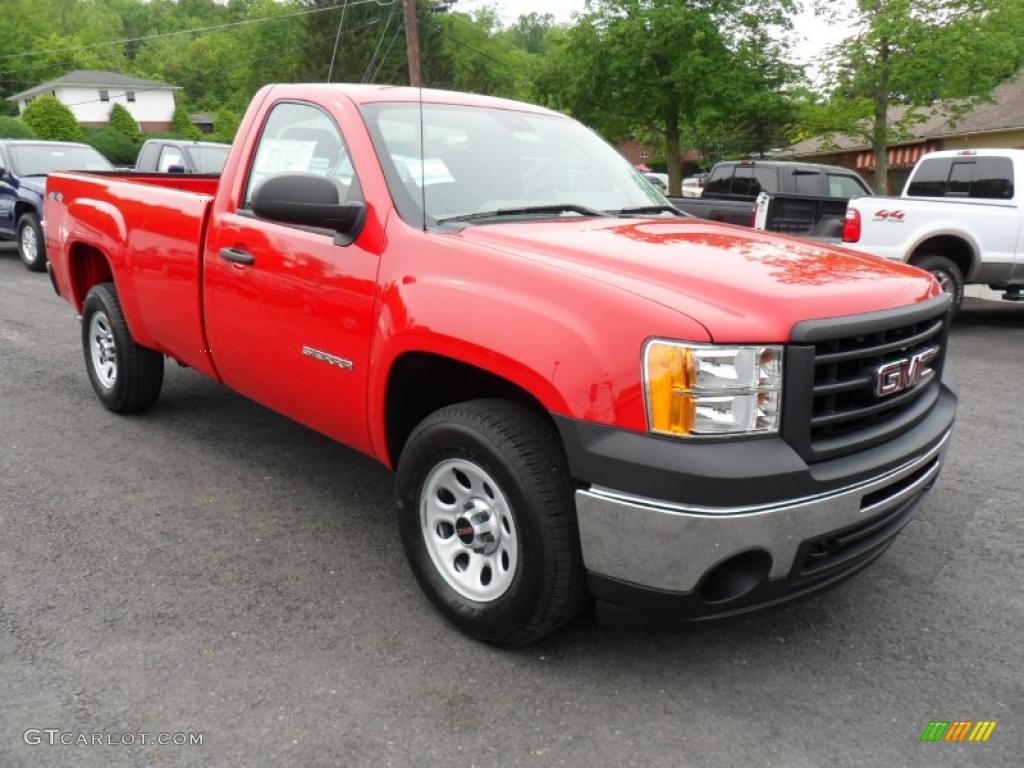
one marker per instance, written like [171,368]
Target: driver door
[291,326]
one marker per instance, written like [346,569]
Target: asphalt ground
[210,567]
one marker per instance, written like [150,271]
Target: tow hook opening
[736,576]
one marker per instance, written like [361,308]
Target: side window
[148,158]
[744,183]
[301,138]
[169,156]
[930,178]
[721,178]
[993,178]
[844,186]
[960,179]
[807,183]
[767,179]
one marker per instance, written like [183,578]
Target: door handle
[237,255]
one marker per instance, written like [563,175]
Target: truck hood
[35,184]
[741,284]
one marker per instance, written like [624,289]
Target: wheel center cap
[464,530]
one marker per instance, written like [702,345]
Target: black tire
[28,224]
[946,272]
[139,372]
[521,451]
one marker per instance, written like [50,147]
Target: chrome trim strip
[675,507]
[901,496]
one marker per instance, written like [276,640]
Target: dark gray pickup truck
[733,187]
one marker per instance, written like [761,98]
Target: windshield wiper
[648,209]
[526,211]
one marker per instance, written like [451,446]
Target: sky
[812,34]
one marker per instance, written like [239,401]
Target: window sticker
[431,171]
[285,156]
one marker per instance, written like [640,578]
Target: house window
[644,154]
[130,95]
[104,95]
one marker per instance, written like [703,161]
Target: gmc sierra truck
[959,217]
[584,394]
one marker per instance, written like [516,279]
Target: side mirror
[311,201]
[176,169]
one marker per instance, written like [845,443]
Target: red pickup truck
[586,395]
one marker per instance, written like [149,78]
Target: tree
[945,54]
[51,120]
[666,68]
[112,144]
[182,125]
[121,120]
[13,128]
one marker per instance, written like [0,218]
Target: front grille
[844,549]
[837,408]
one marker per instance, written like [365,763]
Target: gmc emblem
[903,374]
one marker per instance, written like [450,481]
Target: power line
[380,40]
[337,38]
[384,58]
[212,28]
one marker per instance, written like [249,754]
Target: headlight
[695,389]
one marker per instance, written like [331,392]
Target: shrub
[13,128]
[182,126]
[121,120]
[224,127]
[51,120]
[112,144]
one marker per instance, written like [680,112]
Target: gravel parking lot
[211,567]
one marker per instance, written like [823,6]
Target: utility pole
[412,42]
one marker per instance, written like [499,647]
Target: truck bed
[154,223]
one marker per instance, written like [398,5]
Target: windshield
[481,159]
[41,159]
[209,158]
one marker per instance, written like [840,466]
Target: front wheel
[31,246]
[947,273]
[125,376]
[487,520]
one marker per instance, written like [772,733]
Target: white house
[91,94]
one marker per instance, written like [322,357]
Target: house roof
[201,117]
[1004,112]
[95,79]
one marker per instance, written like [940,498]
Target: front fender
[574,343]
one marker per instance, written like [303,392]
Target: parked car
[584,394]
[176,156]
[959,217]
[733,187]
[693,186]
[24,165]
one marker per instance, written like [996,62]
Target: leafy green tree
[112,144]
[51,120]
[13,128]
[662,68]
[182,125]
[914,54]
[225,126]
[121,120]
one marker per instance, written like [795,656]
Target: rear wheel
[31,247]
[487,520]
[946,272]
[125,376]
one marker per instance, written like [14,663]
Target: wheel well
[21,208]
[953,248]
[88,267]
[420,383]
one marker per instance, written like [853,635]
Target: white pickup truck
[959,217]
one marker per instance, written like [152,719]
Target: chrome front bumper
[669,547]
